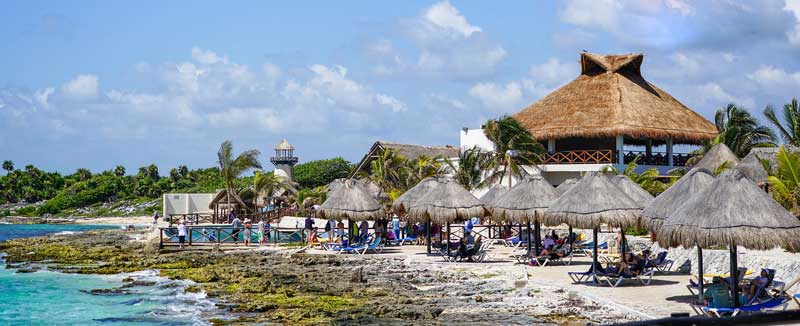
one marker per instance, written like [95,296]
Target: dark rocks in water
[28,269]
[107,292]
[138,283]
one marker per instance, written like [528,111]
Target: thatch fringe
[615,217]
[445,201]
[750,237]
[525,202]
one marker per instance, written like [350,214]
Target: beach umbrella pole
[622,243]
[537,232]
[734,277]
[428,235]
[570,238]
[594,255]
[448,239]
[529,237]
[700,274]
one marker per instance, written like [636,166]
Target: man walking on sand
[309,226]
[237,227]
[155,217]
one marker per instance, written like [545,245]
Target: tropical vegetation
[514,147]
[785,183]
[789,128]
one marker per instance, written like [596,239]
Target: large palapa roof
[609,98]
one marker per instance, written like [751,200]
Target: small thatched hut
[716,156]
[348,200]
[688,186]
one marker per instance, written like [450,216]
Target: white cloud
[265,119]
[793,6]
[391,102]
[341,90]
[81,87]
[713,94]
[447,17]
[498,97]
[206,56]
[554,72]
[439,101]
[42,96]
[771,77]
[444,44]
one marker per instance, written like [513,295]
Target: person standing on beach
[340,230]
[260,229]
[155,217]
[237,227]
[248,232]
[329,228]
[309,226]
[396,226]
[364,230]
[181,233]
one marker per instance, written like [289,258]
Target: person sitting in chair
[717,295]
[749,291]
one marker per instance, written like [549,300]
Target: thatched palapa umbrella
[732,212]
[404,202]
[525,202]
[493,193]
[593,201]
[347,200]
[690,185]
[716,156]
[564,186]
[445,202]
[637,193]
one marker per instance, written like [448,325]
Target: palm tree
[470,168]
[423,167]
[389,170]
[119,171]
[740,131]
[8,166]
[786,181]
[269,184]
[514,147]
[790,127]
[231,168]
[83,174]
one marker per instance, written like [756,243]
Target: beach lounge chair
[375,246]
[614,278]
[542,261]
[660,263]
[693,285]
[357,248]
[771,304]
[580,277]
[408,240]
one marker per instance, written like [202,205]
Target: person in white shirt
[260,229]
[330,229]
[181,233]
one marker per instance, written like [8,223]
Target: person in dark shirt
[309,227]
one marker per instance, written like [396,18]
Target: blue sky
[100,83]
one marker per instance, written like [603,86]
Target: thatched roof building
[753,168]
[731,211]
[716,156]
[348,200]
[409,151]
[611,98]
[688,186]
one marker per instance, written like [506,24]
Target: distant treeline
[84,188]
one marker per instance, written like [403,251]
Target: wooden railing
[580,157]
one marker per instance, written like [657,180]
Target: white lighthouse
[284,160]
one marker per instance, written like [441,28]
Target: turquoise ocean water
[51,298]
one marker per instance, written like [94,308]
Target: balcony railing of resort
[610,157]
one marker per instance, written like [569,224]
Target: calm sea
[51,298]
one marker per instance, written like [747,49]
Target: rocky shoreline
[286,287]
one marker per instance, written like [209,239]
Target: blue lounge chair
[771,304]
[660,263]
[580,277]
[375,246]
[408,239]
